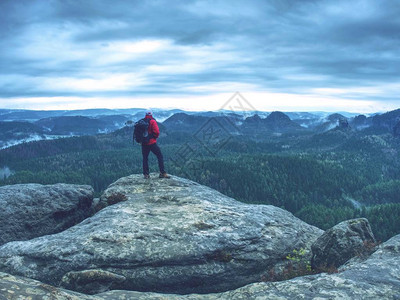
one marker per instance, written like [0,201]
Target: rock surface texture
[33,210]
[378,277]
[19,288]
[163,235]
[342,242]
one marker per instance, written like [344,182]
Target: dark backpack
[141,131]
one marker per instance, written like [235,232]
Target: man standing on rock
[152,146]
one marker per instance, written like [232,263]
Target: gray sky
[286,55]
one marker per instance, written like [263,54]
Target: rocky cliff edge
[163,235]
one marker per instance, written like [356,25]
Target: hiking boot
[164,175]
[146,176]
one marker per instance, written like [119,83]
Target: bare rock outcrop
[33,210]
[163,235]
[375,278]
[342,242]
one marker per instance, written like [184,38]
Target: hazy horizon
[280,55]
[155,109]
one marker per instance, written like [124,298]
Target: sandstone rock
[20,288]
[342,242]
[32,210]
[343,124]
[125,295]
[91,281]
[375,278]
[169,235]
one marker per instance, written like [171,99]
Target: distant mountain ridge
[19,126]
[274,122]
[387,120]
[34,115]
[15,132]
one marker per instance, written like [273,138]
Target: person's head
[149,113]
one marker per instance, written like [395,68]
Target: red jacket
[153,129]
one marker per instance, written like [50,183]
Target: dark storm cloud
[280,46]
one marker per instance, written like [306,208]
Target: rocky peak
[177,117]
[277,116]
[184,122]
[163,235]
[278,121]
[336,117]
[255,120]
[359,120]
[343,124]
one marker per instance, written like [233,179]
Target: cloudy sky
[279,54]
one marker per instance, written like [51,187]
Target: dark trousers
[157,151]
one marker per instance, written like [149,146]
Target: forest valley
[322,175]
